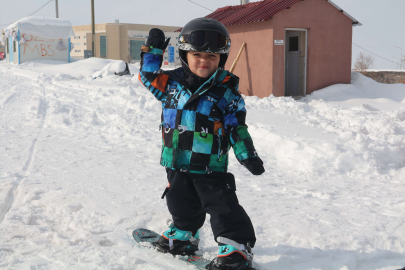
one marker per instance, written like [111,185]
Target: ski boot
[177,242]
[232,256]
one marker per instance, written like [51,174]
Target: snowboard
[145,239]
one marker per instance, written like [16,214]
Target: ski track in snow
[79,171]
[13,191]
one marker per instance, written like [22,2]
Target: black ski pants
[190,196]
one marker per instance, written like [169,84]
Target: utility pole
[57,9]
[93,31]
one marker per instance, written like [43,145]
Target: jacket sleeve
[152,77]
[235,127]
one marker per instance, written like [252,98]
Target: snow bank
[363,90]
[77,69]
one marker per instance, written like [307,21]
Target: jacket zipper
[219,143]
[197,94]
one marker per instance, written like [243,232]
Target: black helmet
[205,35]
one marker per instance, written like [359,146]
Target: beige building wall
[119,37]
[83,39]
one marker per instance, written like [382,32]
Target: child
[203,116]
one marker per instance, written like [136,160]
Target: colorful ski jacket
[198,129]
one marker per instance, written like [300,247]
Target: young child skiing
[203,116]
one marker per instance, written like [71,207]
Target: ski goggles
[201,39]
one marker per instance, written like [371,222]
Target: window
[135,48]
[103,46]
[85,43]
[293,44]
[85,37]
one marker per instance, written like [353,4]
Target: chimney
[117,21]
[243,2]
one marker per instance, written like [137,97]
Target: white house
[37,38]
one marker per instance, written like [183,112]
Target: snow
[378,70]
[44,27]
[111,68]
[363,90]
[80,170]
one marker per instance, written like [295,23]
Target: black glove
[156,39]
[254,165]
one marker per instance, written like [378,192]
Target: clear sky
[383,20]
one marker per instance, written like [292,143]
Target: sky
[382,31]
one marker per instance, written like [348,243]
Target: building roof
[43,27]
[258,11]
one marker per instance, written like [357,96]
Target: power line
[376,54]
[31,13]
[200,5]
[40,8]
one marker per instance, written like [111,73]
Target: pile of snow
[111,68]
[80,170]
[363,90]
[362,133]
[81,69]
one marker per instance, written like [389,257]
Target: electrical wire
[40,8]
[375,54]
[31,13]
[200,5]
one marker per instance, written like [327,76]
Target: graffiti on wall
[36,48]
[43,47]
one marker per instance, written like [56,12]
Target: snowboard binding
[239,266]
[177,242]
[232,256]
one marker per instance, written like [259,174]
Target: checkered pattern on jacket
[198,129]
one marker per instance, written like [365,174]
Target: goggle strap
[186,39]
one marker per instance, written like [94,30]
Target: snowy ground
[79,170]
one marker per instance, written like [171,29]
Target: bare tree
[363,62]
[403,62]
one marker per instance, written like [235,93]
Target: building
[121,41]
[293,47]
[38,38]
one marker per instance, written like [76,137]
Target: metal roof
[257,12]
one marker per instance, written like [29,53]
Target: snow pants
[191,196]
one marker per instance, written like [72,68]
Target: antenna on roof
[243,2]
